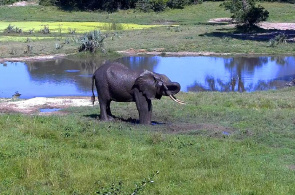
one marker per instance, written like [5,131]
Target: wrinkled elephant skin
[116,82]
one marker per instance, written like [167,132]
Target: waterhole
[72,77]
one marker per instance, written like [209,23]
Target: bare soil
[33,105]
[32,58]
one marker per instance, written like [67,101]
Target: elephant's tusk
[176,100]
[181,102]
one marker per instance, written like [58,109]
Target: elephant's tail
[93,96]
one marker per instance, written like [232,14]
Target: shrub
[13,29]
[158,5]
[92,41]
[245,12]
[45,29]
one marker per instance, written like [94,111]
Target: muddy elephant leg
[108,109]
[144,107]
[103,105]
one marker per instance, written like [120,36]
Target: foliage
[158,5]
[114,5]
[280,38]
[45,29]
[92,41]
[245,12]
[107,5]
[13,29]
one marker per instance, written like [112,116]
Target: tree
[245,12]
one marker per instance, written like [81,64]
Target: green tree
[245,12]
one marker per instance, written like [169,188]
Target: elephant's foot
[110,118]
[107,118]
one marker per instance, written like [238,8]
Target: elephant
[116,82]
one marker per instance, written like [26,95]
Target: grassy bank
[193,32]
[219,143]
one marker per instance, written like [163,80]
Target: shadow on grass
[129,120]
[255,34]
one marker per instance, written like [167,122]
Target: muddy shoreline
[33,105]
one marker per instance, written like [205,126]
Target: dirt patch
[277,26]
[291,167]
[264,25]
[221,20]
[33,106]
[207,129]
[33,58]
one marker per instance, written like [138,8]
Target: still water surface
[72,77]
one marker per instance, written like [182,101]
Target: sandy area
[32,58]
[33,105]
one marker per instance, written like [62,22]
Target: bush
[92,41]
[245,12]
[158,5]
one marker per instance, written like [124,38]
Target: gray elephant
[116,82]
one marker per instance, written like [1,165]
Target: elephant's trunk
[172,89]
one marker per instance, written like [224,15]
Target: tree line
[114,5]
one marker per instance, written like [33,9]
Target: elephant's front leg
[144,107]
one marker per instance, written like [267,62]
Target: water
[48,110]
[72,77]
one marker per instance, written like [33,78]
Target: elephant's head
[153,85]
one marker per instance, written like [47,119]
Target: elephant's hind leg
[105,110]
[104,106]
[109,113]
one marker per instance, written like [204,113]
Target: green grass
[77,154]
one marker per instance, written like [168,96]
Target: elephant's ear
[148,84]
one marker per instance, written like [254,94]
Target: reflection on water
[67,77]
